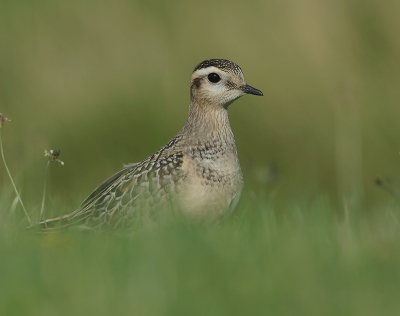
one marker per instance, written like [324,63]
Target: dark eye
[213,77]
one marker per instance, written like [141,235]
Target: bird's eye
[213,77]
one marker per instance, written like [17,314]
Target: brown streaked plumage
[197,172]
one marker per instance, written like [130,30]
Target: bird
[197,172]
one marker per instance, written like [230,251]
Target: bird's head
[219,82]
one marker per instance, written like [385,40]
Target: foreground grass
[300,261]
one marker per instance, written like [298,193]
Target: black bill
[250,90]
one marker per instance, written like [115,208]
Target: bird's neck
[206,122]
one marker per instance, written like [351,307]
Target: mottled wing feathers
[138,187]
[103,187]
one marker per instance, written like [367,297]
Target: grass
[294,261]
[269,258]
[8,172]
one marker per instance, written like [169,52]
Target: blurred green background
[107,83]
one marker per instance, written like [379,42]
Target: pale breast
[212,183]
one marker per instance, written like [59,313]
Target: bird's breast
[212,181]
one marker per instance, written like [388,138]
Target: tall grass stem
[44,191]
[12,181]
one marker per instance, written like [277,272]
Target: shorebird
[197,172]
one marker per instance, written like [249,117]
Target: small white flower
[53,156]
[3,120]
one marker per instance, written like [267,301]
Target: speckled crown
[222,64]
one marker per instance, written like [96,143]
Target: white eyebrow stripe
[205,71]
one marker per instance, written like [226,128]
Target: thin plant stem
[12,181]
[44,190]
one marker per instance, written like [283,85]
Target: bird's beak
[250,90]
